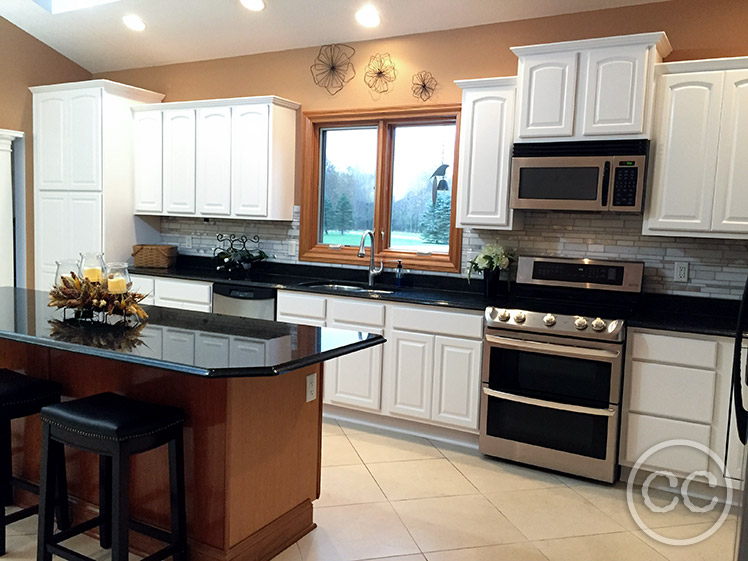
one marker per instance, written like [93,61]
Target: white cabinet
[68,129]
[486,129]
[432,365]
[303,309]
[179,161]
[148,146]
[213,166]
[548,87]
[249,160]
[83,180]
[588,89]
[146,286]
[676,387]
[230,158]
[699,177]
[69,223]
[175,293]
[355,379]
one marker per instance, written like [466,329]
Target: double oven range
[553,365]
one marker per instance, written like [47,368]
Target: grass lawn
[399,240]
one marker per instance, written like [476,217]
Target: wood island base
[252,451]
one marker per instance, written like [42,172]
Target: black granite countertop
[280,347]
[706,316]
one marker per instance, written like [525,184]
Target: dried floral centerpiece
[119,337]
[87,298]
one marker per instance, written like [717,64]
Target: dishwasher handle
[244,292]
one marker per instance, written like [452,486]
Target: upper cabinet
[589,89]
[486,128]
[699,174]
[230,158]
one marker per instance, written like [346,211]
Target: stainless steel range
[553,365]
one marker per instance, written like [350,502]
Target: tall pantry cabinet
[83,173]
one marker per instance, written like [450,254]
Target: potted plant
[491,261]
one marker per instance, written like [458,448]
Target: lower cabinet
[677,386]
[175,293]
[428,370]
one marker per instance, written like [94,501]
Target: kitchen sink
[346,288]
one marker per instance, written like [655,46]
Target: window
[391,172]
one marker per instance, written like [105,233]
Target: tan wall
[25,62]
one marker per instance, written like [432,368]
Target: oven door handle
[550,348]
[609,412]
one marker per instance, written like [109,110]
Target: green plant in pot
[492,259]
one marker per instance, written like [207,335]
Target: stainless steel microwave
[586,175]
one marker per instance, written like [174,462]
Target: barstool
[22,396]
[114,427]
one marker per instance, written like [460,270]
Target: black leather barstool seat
[21,396]
[114,427]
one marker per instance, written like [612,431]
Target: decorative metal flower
[380,73]
[424,85]
[333,68]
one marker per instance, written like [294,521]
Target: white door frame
[12,208]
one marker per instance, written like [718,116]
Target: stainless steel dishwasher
[248,302]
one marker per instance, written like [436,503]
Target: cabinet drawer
[301,305]
[187,295]
[437,322]
[688,351]
[355,312]
[643,432]
[144,285]
[672,391]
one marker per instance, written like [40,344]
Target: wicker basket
[157,256]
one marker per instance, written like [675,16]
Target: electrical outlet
[187,242]
[293,248]
[311,387]
[681,271]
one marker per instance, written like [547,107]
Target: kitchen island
[252,436]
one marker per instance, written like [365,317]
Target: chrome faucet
[373,270]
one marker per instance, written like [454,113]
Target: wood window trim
[310,249]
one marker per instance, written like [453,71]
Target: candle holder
[117,278]
[92,266]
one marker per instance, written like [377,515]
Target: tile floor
[399,498]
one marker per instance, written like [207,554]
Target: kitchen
[717,266]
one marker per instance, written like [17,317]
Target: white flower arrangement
[491,258]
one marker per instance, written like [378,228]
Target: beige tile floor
[400,498]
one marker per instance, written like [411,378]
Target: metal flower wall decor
[333,69]
[380,73]
[424,85]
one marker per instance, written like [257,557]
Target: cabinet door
[249,160]
[84,218]
[731,191]
[456,398]
[614,90]
[685,161]
[146,286]
[486,129]
[179,161]
[148,154]
[51,235]
[213,161]
[83,139]
[411,371]
[547,87]
[49,141]
[304,309]
[355,379]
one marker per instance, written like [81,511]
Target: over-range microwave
[586,175]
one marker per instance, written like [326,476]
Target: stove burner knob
[519,317]
[549,319]
[504,315]
[598,324]
[580,323]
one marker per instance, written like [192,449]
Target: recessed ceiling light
[368,16]
[133,22]
[254,5]
[60,6]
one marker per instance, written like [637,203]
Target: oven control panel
[539,322]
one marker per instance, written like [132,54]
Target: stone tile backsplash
[717,267]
